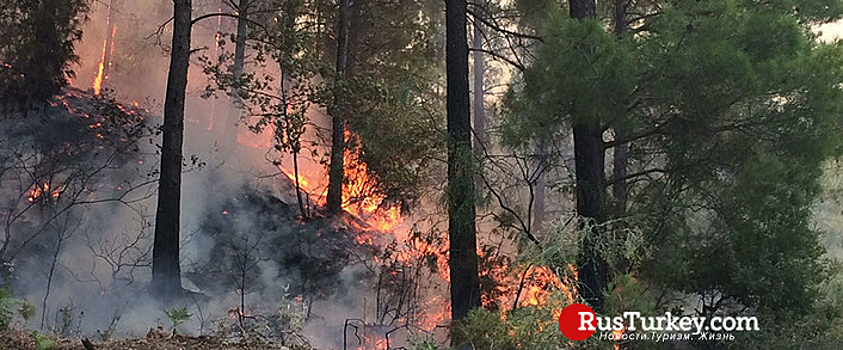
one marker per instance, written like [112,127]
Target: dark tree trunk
[335,170]
[581,9]
[589,160]
[620,16]
[465,286]
[166,273]
[240,39]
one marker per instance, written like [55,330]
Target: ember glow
[37,192]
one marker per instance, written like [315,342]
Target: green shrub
[178,316]
[42,342]
[11,307]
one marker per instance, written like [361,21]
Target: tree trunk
[166,272]
[581,9]
[335,171]
[465,286]
[229,131]
[240,39]
[589,160]
[540,189]
[480,141]
[620,162]
[109,43]
[59,242]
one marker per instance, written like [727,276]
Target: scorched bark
[166,272]
[465,285]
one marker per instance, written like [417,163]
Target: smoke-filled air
[421,174]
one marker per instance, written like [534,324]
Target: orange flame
[37,191]
[98,78]
[373,215]
[107,53]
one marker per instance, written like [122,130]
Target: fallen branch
[88,345]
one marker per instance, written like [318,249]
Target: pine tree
[166,271]
[37,49]
[465,286]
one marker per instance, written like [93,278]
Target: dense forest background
[420,174]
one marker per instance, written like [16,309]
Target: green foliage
[525,328]
[11,307]
[587,73]
[42,342]
[37,47]
[292,316]
[423,344]
[112,327]
[178,316]
[391,95]
[65,319]
[733,107]
[399,150]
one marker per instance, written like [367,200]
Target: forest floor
[14,339]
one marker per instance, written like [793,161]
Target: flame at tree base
[382,225]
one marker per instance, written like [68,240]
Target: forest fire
[499,164]
[39,191]
[98,78]
[360,196]
[540,282]
[105,63]
[372,216]
[373,343]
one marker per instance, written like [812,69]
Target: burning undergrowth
[260,245]
[347,279]
[366,278]
[75,151]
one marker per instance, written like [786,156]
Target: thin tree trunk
[50,279]
[465,286]
[335,171]
[285,83]
[620,162]
[240,39]
[230,129]
[290,13]
[109,43]
[166,272]
[299,196]
[589,160]
[480,141]
[540,191]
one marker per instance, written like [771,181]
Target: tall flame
[106,59]
[373,215]
[98,78]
